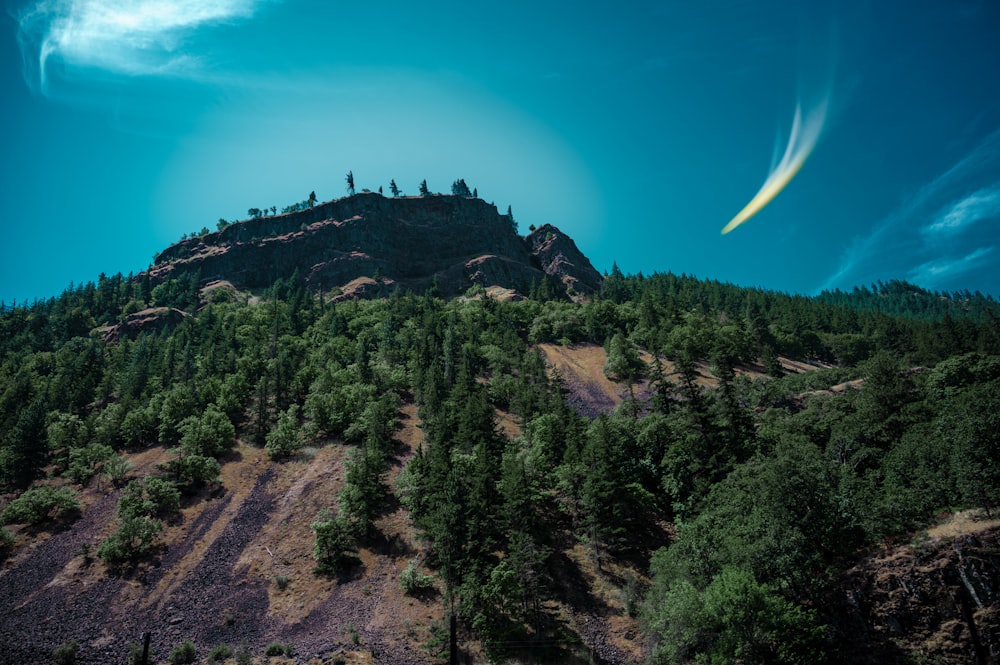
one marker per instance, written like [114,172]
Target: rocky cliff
[409,241]
[933,600]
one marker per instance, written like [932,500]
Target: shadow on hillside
[572,586]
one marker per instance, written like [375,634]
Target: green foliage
[135,654]
[150,497]
[194,470]
[219,653]
[116,468]
[733,619]
[334,548]
[413,582]
[773,486]
[279,649]
[83,462]
[623,362]
[6,538]
[364,492]
[286,438]
[209,435]
[40,503]
[135,537]
[184,653]
[243,656]
[65,653]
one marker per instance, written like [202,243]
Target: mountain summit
[367,243]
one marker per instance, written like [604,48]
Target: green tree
[334,549]
[211,434]
[350,182]
[286,438]
[423,188]
[393,188]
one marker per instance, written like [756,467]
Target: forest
[746,497]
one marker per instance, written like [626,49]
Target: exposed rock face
[409,241]
[154,318]
[558,256]
[938,600]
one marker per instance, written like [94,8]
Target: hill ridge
[452,241]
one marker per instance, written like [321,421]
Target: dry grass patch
[282,552]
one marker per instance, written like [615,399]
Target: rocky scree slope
[405,241]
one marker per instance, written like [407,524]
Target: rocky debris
[559,257]
[146,320]
[937,600]
[451,241]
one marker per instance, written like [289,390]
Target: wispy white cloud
[937,234]
[977,206]
[123,37]
[933,272]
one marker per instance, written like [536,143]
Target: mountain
[246,450]
[454,242]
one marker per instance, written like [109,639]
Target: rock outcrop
[147,320]
[935,600]
[414,242]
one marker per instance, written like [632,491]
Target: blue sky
[641,129]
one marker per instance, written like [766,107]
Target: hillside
[453,242]
[637,475]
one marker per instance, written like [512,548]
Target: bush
[83,461]
[334,549]
[135,654]
[134,538]
[219,653]
[150,497]
[115,469]
[6,538]
[279,649]
[281,581]
[162,496]
[210,435]
[184,653]
[243,655]
[285,439]
[38,504]
[65,653]
[413,581]
[194,470]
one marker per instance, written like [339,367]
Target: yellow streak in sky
[801,142]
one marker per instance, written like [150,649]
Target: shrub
[6,538]
[40,503]
[65,653]
[243,655]
[83,461]
[134,538]
[194,470]
[115,469]
[152,497]
[219,653]
[334,549]
[285,439]
[281,581]
[210,435]
[184,653]
[279,649]
[413,581]
[135,654]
